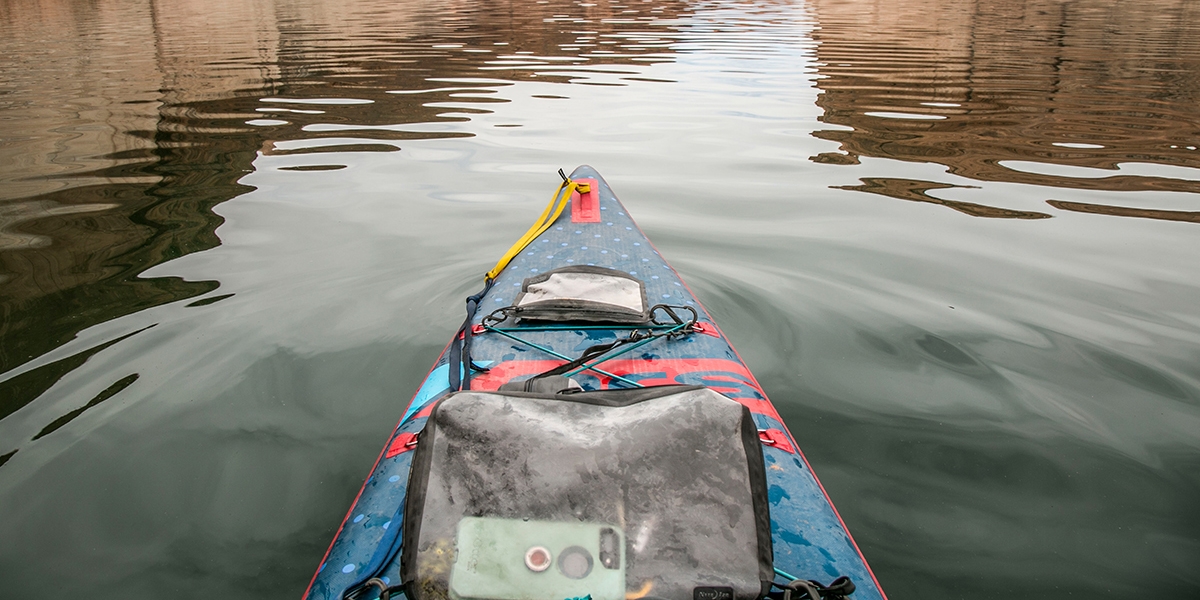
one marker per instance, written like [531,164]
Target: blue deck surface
[810,540]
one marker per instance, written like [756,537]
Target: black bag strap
[460,362]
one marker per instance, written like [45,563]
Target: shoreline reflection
[1083,84]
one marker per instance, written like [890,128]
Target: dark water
[957,241]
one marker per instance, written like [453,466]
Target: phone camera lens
[610,548]
[575,562]
[537,559]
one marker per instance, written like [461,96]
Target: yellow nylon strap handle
[549,216]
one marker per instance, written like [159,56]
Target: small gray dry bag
[583,293]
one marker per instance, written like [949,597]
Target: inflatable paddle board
[587,236]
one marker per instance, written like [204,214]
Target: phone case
[490,560]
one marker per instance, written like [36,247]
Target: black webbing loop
[460,362]
[385,592]
[837,589]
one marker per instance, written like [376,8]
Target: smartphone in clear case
[515,559]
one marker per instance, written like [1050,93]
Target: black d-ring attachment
[669,309]
[385,592]
[838,589]
[499,315]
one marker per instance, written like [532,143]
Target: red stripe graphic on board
[728,377]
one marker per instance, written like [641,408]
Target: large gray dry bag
[645,493]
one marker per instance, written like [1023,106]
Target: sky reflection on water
[954,239]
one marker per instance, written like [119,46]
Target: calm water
[957,240]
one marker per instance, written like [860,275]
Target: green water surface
[958,242]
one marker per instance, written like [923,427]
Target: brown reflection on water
[1126,211]
[915,190]
[123,123]
[971,83]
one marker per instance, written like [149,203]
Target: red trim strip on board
[723,375]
